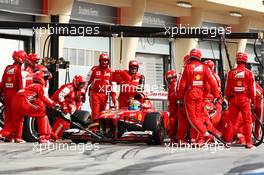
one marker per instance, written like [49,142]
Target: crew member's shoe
[209,139]
[1,136]
[43,139]
[19,140]
[250,146]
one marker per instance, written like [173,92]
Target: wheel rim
[33,127]
[2,116]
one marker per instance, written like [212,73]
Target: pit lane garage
[138,125]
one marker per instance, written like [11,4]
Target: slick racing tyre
[1,116]
[154,122]
[30,130]
[81,117]
[258,140]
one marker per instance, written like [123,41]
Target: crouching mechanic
[99,82]
[171,80]
[31,102]
[66,97]
[240,89]
[191,88]
[31,66]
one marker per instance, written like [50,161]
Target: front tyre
[154,122]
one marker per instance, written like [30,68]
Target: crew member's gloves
[65,109]
[83,97]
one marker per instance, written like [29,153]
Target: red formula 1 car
[138,123]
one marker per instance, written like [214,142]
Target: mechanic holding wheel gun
[131,82]
[191,89]
[240,92]
[68,97]
[29,101]
[99,83]
[10,84]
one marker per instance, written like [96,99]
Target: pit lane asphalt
[107,159]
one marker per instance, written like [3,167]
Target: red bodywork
[125,125]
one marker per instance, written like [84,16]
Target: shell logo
[139,116]
[197,77]
[8,79]
[239,83]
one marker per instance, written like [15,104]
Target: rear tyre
[30,130]
[154,122]
[258,140]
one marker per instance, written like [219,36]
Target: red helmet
[242,57]
[19,56]
[186,59]
[210,64]
[102,57]
[196,53]
[77,80]
[169,75]
[32,59]
[133,63]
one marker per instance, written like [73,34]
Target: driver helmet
[134,105]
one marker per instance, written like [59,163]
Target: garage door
[151,66]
